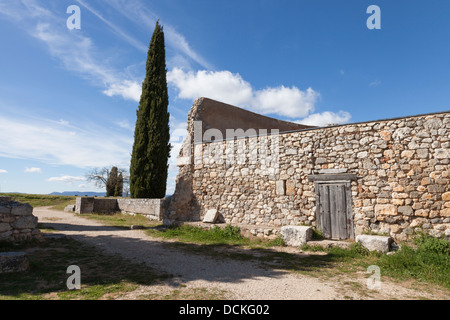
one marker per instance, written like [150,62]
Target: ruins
[386,176]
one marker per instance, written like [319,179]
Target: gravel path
[245,280]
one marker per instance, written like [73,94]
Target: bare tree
[100,176]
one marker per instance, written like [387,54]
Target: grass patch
[101,275]
[42,200]
[428,260]
[124,221]
[228,235]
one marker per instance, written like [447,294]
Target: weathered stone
[280,187]
[405,210]
[5,227]
[385,209]
[442,154]
[13,262]
[436,188]
[407,153]
[433,123]
[296,236]
[22,209]
[362,154]
[375,243]
[211,216]
[5,236]
[26,223]
[446,196]
[69,208]
[445,212]
[422,153]
[386,135]
[290,188]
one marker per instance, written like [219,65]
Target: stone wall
[151,208]
[401,168]
[17,222]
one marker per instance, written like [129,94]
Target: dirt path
[234,279]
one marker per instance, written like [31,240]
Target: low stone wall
[151,208]
[17,222]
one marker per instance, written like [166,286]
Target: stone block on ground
[69,208]
[211,216]
[296,236]
[13,262]
[375,243]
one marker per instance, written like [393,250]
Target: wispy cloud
[47,141]
[33,170]
[137,12]
[121,33]
[66,179]
[3,171]
[375,83]
[76,52]
[125,125]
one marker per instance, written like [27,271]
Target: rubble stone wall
[401,166]
[151,208]
[17,222]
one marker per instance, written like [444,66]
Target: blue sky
[68,98]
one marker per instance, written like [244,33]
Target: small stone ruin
[17,222]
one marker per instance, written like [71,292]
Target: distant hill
[79,193]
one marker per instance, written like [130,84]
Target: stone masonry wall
[17,222]
[402,169]
[151,208]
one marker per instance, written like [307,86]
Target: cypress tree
[151,149]
[118,190]
[111,182]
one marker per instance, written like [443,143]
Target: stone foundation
[17,222]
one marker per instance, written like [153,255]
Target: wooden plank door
[333,211]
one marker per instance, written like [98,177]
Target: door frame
[344,179]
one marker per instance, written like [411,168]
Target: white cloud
[219,85]
[66,179]
[33,170]
[131,90]
[326,118]
[125,125]
[289,102]
[3,171]
[47,141]
[233,89]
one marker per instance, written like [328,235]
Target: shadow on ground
[116,260]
